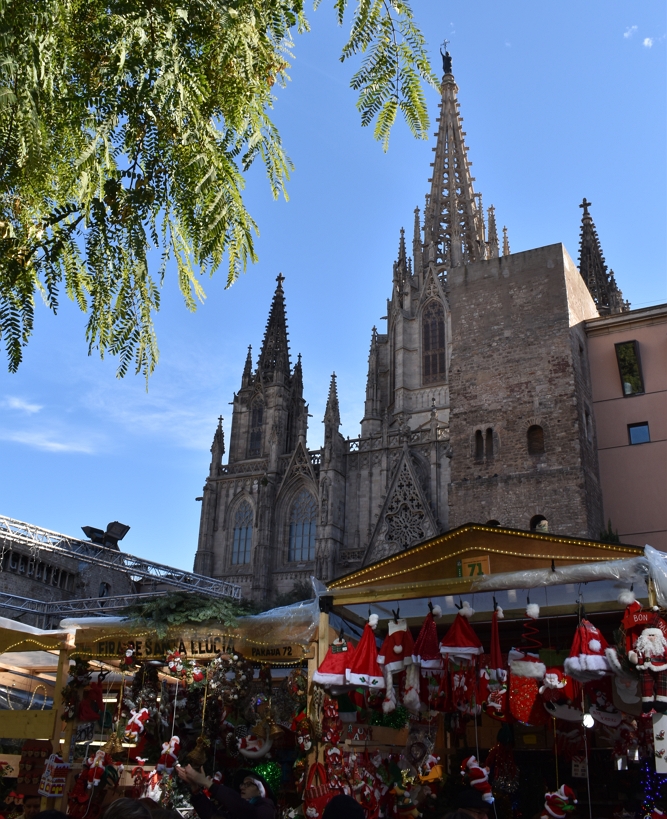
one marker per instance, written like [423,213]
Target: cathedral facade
[478,405]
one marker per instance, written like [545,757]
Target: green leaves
[177,608]
[125,133]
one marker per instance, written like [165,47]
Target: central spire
[593,268]
[453,221]
[274,363]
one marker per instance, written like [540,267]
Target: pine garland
[178,608]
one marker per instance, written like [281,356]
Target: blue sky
[560,101]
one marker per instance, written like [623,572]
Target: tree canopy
[127,125]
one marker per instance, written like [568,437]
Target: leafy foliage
[128,127]
[177,608]
[608,535]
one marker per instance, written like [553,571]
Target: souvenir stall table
[129,700]
[528,666]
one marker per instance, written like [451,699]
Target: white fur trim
[365,680]
[521,668]
[500,614]
[329,679]
[461,651]
[532,611]
[398,649]
[595,645]
[632,656]
[411,695]
[389,703]
[466,610]
[437,611]
[260,787]
[626,597]
[587,667]
[393,626]
[373,620]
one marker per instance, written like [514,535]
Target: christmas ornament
[477,777]
[426,651]
[561,695]
[271,773]
[229,678]
[169,756]
[257,744]
[363,669]
[525,671]
[494,676]
[199,754]
[135,725]
[559,804]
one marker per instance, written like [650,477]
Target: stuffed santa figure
[338,658]
[96,766]
[558,804]
[136,724]
[396,656]
[560,695]
[589,655]
[478,778]
[363,669]
[650,657]
[169,756]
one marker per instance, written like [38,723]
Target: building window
[493,522]
[639,433]
[489,444]
[535,438]
[256,421]
[479,446]
[242,533]
[433,343]
[538,523]
[629,367]
[302,527]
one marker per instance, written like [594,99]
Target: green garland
[271,773]
[397,719]
[177,608]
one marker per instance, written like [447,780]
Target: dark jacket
[232,804]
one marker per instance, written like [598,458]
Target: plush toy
[559,803]
[128,659]
[96,766]
[478,778]
[650,657]
[174,662]
[136,724]
[254,746]
[198,672]
[169,756]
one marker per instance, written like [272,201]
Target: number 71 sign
[473,566]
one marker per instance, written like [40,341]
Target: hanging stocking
[526,671]
[395,656]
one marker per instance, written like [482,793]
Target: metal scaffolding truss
[139,568]
[86,606]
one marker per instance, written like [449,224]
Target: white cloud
[648,42]
[41,440]
[629,32]
[13,402]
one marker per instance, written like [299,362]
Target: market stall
[517,663]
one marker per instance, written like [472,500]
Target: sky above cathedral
[560,101]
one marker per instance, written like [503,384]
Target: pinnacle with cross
[280,279]
[585,205]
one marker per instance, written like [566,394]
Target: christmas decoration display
[229,678]
[561,695]
[135,725]
[525,672]
[169,756]
[338,659]
[363,668]
[477,777]
[559,804]
[427,651]
[494,675]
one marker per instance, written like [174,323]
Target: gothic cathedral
[478,405]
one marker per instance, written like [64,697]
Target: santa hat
[337,660]
[426,651]
[364,669]
[461,641]
[566,792]
[396,651]
[588,659]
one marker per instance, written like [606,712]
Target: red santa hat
[588,656]
[426,651]
[333,666]
[396,651]
[461,641]
[364,669]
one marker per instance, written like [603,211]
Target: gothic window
[433,343]
[535,437]
[255,437]
[489,444]
[479,446]
[302,524]
[242,533]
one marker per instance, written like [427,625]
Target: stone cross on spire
[593,268]
[274,361]
[453,223]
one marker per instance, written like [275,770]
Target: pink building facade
[628,369]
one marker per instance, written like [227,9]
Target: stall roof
[454,561]
[16,636]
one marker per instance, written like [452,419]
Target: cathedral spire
[593,268]
[332,412]
[417,244]
[246,379]
[506,242]
[453,224]
[493,234]
[274,363]
[401,265]
[217,448]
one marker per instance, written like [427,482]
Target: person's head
[469,803]
[343,807]
[31,805]
[251,787]
[126,809]
[51,814]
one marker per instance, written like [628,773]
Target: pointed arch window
[242,543]
[433,343]
[302,524]
[255,433]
